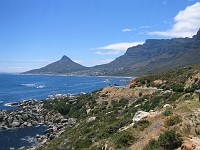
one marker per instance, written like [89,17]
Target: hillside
[63,66]
[158,111]
[153,56]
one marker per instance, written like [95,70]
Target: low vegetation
[111,121]
[167,141]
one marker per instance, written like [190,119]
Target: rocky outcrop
[31,113]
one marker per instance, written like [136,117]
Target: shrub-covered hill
[105,117]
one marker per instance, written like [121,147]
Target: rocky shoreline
[31,112]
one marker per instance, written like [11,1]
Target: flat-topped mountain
[63,66]
[153,56]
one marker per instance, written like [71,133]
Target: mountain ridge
[153,56]
[64,65]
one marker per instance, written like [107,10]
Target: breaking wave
[34,86]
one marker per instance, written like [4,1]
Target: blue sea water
[22,137]
[14,88]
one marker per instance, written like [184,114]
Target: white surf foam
[34,86]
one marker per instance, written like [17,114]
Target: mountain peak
[63,66]
[197,36]
[198,33]
[65,58]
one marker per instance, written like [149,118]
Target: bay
[15,88]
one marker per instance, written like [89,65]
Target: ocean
[15,88]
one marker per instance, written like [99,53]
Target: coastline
[30,113]
[75,75]
[35,114]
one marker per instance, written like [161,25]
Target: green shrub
[140,94]
[178,88]
[112,129]
[167,112]
[123,101]
[152,145]
[174,97]
[152,104]
[102,135]
[83,143]
[173,120]
[142,124]
[123,139]
[132,86]
[170,140]
[189,89]
[47,104]
[103,95]
[115,103]
[62,107]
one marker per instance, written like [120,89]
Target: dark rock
[25,117]
[51,137]
[50,130]
[1,118]
[64,120]
[10,120]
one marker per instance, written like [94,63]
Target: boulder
[72,120]
[37,136]
[64,120]
[16,123]
[10,119]
[187,145]
[91,119]
[139,115]
[167,106]
[88,111]
[25,117]
[29,124]
[19,117]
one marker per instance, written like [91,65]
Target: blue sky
[34,33]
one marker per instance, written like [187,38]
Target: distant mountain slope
[153,56]
[63,66]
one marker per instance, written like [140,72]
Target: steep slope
[64,65]
[155,55]
[131,117]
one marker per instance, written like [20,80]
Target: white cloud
[127,30]
[145,27]
[119,46]
[108,53]
[116,48]
[102,61]
[187,23]
[93,62]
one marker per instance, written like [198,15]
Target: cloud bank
[187,23]
[127,30]
[116,48]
